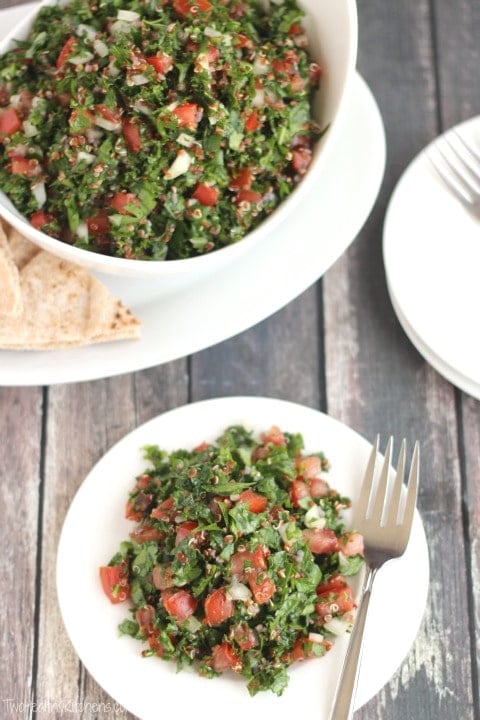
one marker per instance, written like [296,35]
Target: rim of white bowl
[152,268]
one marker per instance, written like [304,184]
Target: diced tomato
[143,481]
[297,491]
[250,196]
[161,62]
[302,649]
[225,658]
[336,601]
[165,510]
[202,447]
[146,533]
[274,436]
[301,159]
[318,487]
[315,74]
[66,51]
[206,194]
[131,513]
[113,115]
[243,562]
[98,224]
[242,41]
[255,502]
[308,467]
[180,604]
[333,583]
[213,53]
[115,583]
[28,167]
[40,218]
[191,7]
[10,123]
[321,540]
[121,199]
[252,122]
[241,181]
[352,544]
[245,637]
[131,133]
[145,617]
[262,587]
[154,643]
[184,530]
[218,607]
[295,29]
[162,577]
[188,115]
[297,83]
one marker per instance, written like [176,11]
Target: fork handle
[344,698]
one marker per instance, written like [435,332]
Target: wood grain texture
[21,478]
[337,347]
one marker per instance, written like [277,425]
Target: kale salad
[156,129]
[239,558]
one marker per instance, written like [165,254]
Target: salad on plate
[239,558]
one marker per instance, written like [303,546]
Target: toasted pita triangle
[10,294]
[64,306]
[22,250]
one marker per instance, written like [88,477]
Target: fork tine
[412,490]
[394,507]
[366,487]
[469,148]
[465,164]
[451,182]
[458,179]
[381,492]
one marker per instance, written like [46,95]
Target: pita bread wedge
[10,294]
[64,306]
[22,250]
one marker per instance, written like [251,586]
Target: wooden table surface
[338,348]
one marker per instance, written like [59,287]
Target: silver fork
[383,515]
[457,162]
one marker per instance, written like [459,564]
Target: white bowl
[332,31]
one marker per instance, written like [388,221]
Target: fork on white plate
[457,162]
[384,515]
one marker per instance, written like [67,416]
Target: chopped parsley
[238,558]
[156,129]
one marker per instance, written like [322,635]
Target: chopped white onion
[100,48]
[258,99]
[93,136]
[87,31]
[138,79]
[127,15]
[15,101]
[87,157]
[80,59]
[337,626]
[202,62]
[121,26]
[82,230]
[212,32]
[260,64]
[142,107]
[29,129]
[186,140]
[179,166]
[239,591]
[112,70]
[315,637]
[107,124]
[315,517]
[39,193]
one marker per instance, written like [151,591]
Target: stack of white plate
[431,248]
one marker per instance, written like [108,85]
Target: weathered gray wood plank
[20,492]
[105,411]
[280,357]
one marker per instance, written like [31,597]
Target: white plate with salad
[240,297]
[140,683]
